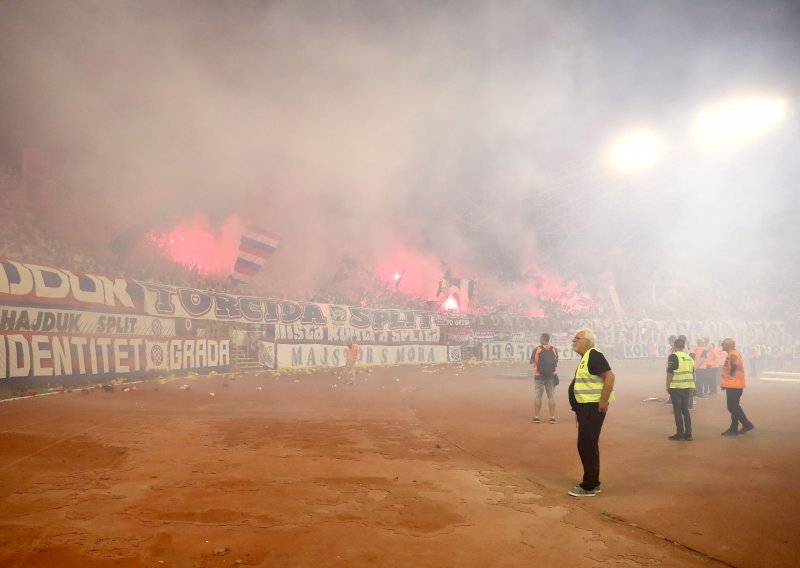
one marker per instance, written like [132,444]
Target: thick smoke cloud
[467,132]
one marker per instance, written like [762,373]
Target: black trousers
[737,414]
[590,422]
[704,379]
[680,407]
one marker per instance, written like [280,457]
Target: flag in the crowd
[444,285]
[255,248]
[462,290]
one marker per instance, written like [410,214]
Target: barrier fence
[60,326]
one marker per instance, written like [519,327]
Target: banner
[44,285]
[74,321]
[316,355]
[57,323]
[39,355]
[296,333]
[512,351]
[266,354]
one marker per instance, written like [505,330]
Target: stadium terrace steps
[242,361]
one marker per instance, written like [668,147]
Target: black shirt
[596,365]
[672,363]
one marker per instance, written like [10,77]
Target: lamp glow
[735,122]
[637,151]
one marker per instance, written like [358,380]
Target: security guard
[733,384]
[681,388]
[589,395]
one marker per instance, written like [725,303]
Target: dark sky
[469,131]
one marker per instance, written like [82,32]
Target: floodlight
[637,150]
[731,123]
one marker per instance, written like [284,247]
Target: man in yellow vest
[681,389]
[589,395]
[732,382]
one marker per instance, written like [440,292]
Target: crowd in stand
[23,239]
[28,236]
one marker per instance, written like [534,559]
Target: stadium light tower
[636,151]
[734,122]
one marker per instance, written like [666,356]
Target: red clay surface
[442,467]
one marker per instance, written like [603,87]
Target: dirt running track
[442,467]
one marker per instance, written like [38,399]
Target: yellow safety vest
[588,387]
[683,376]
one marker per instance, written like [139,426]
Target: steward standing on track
[701,365]
[681,387]
[733,384]
[589,395]
[352,359]
[712,367]
[544,360]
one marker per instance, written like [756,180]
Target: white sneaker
[579,491]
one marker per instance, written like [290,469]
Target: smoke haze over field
[473,133]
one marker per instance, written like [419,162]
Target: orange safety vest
[711,358]
[735,381]
[700,362]
[721,356]
[352,353]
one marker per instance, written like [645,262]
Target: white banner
[512,351]
[48,320]
[266,354]
[57,356]
[316,355]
